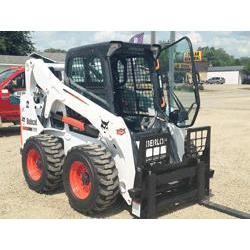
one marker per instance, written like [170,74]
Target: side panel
[30,124]
[109,125]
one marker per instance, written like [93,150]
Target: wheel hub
[85,178]
[79,179]
[39,164]
[34,164]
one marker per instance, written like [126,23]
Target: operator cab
[125,79]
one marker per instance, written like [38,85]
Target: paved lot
[225,108]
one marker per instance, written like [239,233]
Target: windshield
[177,70]
[5,74]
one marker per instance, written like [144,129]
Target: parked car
[12,85]
[246,80]
[216,80]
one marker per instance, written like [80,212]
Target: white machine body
[57,96]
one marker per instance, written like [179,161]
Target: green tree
[245,61]
[208,53]
[16,43]
[217,57]
[52,50]
[214,57]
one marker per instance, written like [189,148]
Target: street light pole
[153,37]
[171,66]
[172,36]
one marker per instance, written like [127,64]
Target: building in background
[7,61]
[232,74]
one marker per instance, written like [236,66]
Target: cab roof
[108,48]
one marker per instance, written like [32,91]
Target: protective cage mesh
[198,140]
[87,72]
[133,86]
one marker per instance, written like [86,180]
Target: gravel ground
[225,108]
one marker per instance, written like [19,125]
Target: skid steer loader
[118,123]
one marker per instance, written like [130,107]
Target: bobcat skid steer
[118,123]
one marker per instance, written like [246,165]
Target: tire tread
[107,174]
[53,151]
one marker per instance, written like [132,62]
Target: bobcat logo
[104,125]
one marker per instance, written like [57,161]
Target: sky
[236,43]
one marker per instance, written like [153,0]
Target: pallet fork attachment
[160,184]
[155,188]
[225,209]
[154,204]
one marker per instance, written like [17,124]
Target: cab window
[87,72]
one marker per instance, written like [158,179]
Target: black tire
[50,163]
[102,174]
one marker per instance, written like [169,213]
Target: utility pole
[172,36]
[153,37]
[171,66]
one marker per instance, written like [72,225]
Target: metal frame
[203,149]
[152,202]
[152,189]
[165,184]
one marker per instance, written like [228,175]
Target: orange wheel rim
[79,179]
[34,164]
